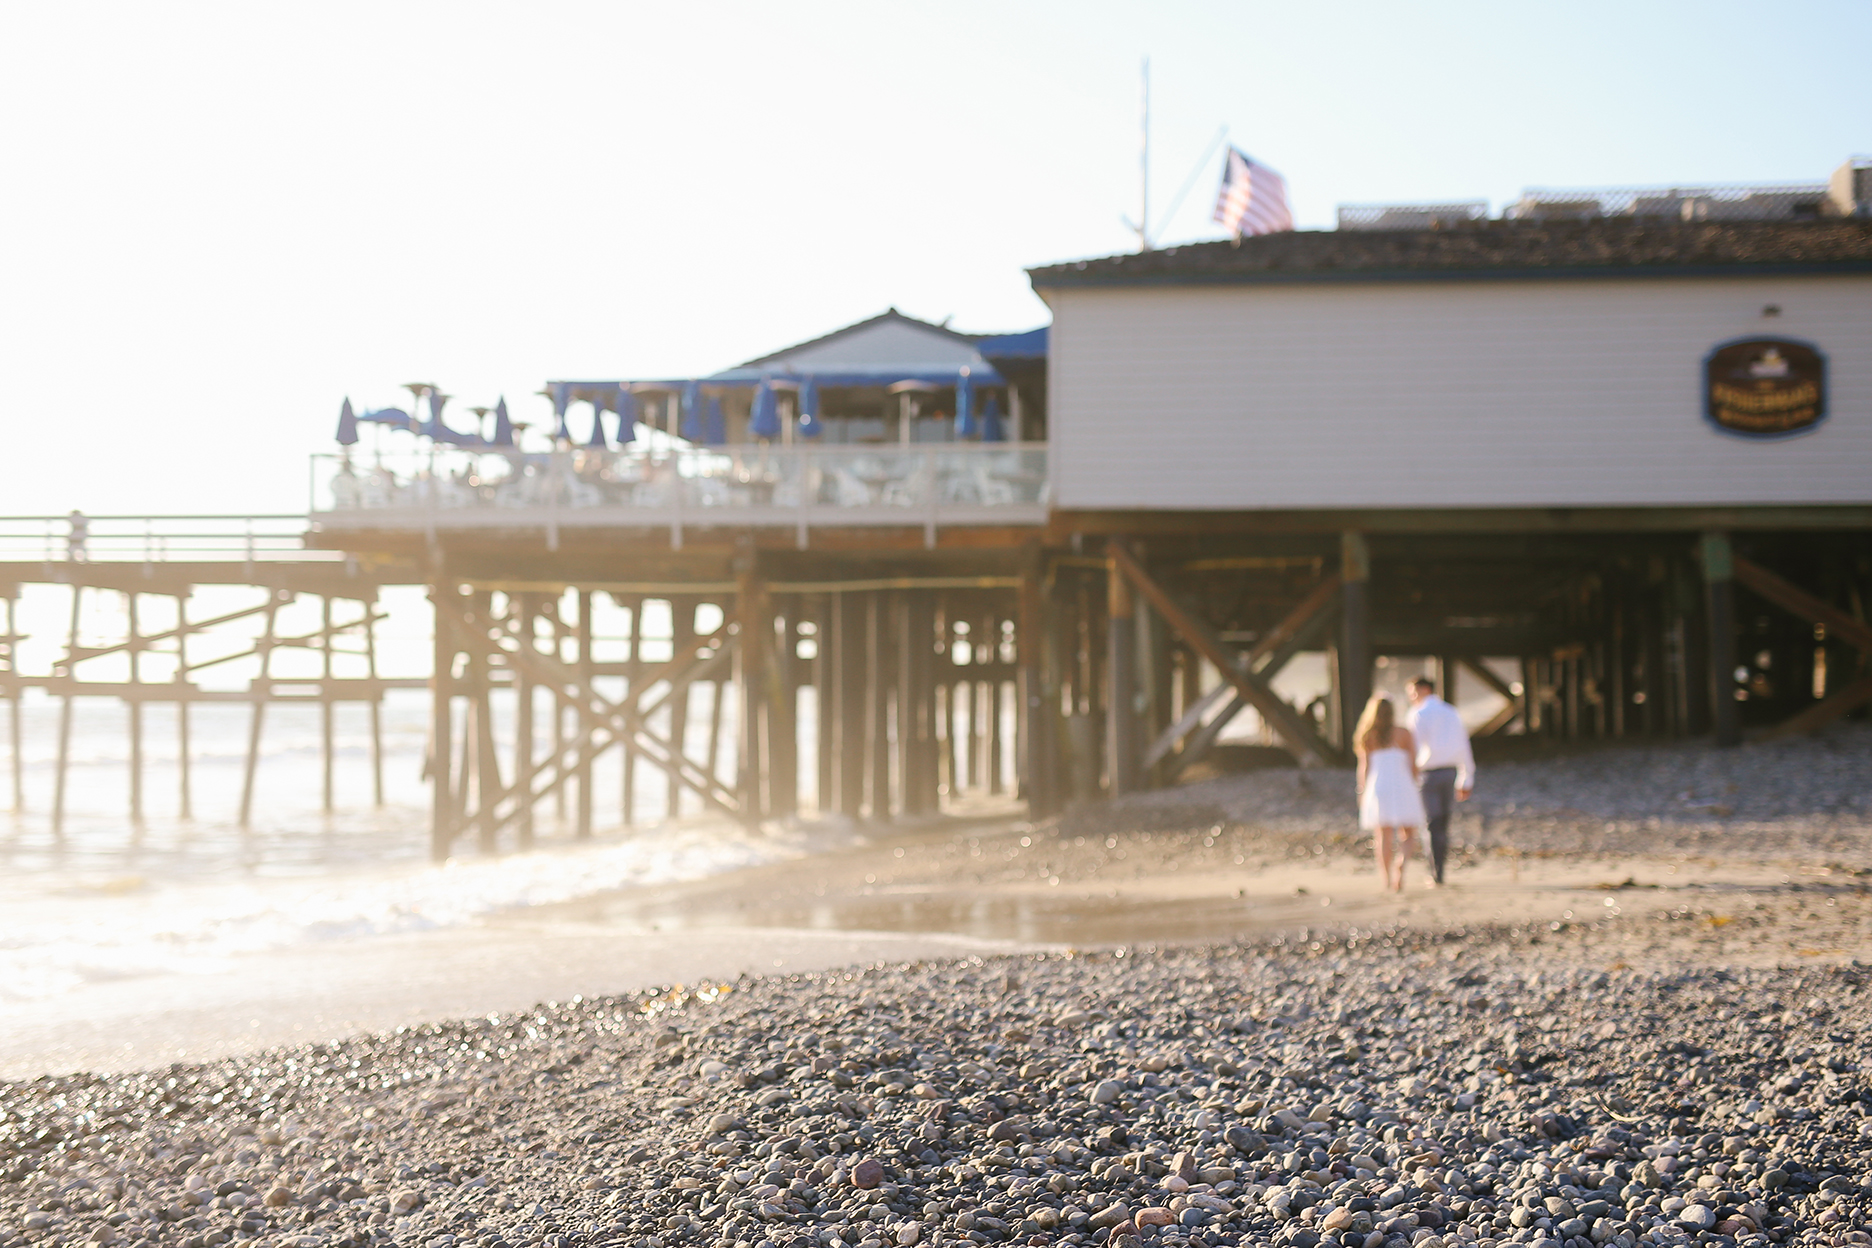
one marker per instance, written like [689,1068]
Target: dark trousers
[1439,801]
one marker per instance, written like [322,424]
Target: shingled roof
[1604,247]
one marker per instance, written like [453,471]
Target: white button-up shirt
[1442,741]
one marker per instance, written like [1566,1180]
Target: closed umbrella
[692,424]
[965,416]
[809,410]
[561,400]
[765,422]
[627,416]
[503,427]
[715,428]
[435,428]
[991,427]
[347,425]
[598,430]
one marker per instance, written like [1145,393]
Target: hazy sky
[220,219]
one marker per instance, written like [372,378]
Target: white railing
[678,486]
[76,537]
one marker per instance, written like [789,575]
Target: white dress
[1391,799]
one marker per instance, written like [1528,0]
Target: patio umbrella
[692,429]
[965,426]
[395,417]
[561,400]
[809,409]
[991,428]
[627,416]
[347,425]
[765,421]
[715,428]
[598,430]
[503,427]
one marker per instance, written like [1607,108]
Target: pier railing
[77,537]
[678,485]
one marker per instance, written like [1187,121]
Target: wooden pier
[1090,656]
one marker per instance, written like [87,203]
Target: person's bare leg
[1406,845]
[1386,840]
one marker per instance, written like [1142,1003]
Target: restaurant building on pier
[1608,467]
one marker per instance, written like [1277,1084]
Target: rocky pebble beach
[1551,1085]
[1805,797]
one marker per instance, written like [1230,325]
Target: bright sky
[218,220]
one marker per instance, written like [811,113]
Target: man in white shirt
[1445,762]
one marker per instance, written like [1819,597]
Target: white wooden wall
[1543,393]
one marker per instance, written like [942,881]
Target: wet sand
[907,894]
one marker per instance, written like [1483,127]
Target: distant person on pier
[77,535]
[1389,803]
[1445,762]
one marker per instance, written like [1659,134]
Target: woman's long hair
[1376,724]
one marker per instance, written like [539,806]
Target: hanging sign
[1765,387]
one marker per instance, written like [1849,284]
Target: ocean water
[110,899]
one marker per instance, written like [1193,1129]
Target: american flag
[1253,199]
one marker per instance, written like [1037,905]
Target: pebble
[1336,1118]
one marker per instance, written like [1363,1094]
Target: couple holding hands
[1410,776]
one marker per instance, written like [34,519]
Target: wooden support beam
[1820,714]
[1303,620]
[754,613]
[1719,594]
[825,703]
[185,797]
[14,759]
[134,648]
[1292,642]
[328,751]
[442,721]
[1355,656]
[65,719]
[1121,730]
[848,705]
[682,637]
[583,828]
[1517,704]
[487,759]
[1840,625]
[1035,766]
[526,615]
[1287,722]
[602,722]
[261,687]
[627,797]
[916,697]
[877,708]
[783,711]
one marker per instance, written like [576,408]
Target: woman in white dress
[1389,803]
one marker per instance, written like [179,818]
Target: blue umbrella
[395,417]
[692,427]
[765,422]
[715,428]
[965,415]
[991,430]
[627,416]
[561,399]
[809,410]
[347,425]
[503,427]
[598,430]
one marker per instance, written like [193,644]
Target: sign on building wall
[1765,387]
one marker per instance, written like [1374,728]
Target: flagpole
[1144,168]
